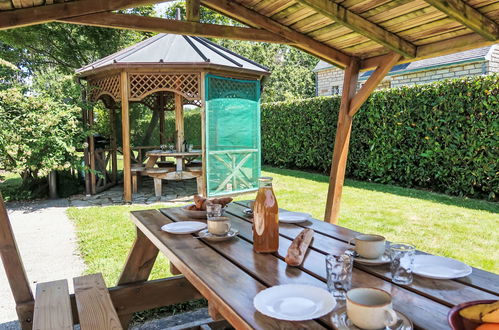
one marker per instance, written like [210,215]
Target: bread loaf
[298,248]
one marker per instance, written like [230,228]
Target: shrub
[38,134]
[441,136]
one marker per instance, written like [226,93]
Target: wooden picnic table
[153,156]
[229,274]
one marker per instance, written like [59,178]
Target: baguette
[298,248]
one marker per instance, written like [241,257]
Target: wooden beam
[14,268]
[138,266]
[192,8]
[468,16]
[341,144]
[350,104]
[362,26]
[449,46]
[179,124]
[43,14]
[125,129]
[249,17]
[371,83]
[161,25]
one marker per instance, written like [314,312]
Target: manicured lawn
[454,227]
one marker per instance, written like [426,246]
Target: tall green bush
[38,134]
[441,136]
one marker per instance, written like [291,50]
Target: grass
[459,228]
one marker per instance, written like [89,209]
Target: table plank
[420,309]
[216,278]
[479,279]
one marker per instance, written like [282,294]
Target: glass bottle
[265,218]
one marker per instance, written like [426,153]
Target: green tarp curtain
[233,159]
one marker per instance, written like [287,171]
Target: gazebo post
[91,155]
[202,185]
[179,121]
[114,147]
[350,104]
[125,127]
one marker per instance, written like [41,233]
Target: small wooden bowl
[457,322]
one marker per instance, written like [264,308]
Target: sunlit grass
[459,228]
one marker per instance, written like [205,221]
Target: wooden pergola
[352,34]
[163,73]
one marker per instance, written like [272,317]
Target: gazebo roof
[177,50]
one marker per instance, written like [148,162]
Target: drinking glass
[213,211]
[339,274]
[190,147]
[402,263]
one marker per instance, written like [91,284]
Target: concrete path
[47,241]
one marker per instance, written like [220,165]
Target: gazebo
[165,73]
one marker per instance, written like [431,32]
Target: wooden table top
[229,274]
[167,153]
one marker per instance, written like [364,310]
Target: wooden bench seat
[53,307]
[93,302]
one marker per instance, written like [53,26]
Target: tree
[64,47]
[291,68]
[38,134]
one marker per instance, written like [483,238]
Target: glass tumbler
[213,211]
[402,262]
[339,274]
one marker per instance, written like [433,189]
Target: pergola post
[350,104]
[14,269]
[341,143]
[125,128]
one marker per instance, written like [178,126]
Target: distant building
[479,61]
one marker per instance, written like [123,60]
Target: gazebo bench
[94,307]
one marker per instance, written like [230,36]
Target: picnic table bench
[229,274]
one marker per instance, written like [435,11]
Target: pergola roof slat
[335,31]
[468,16]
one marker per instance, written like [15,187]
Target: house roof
[477,54]
[168,49]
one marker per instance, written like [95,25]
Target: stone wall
[448,72]
[494,60]
[330,81]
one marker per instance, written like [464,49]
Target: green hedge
[441,136]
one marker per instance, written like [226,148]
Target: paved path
[47,241]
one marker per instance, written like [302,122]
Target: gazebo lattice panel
[109,85]
[187,84]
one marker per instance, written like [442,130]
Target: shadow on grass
[468,203]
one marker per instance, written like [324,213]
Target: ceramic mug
[219,226]
[370,308]
[369,246]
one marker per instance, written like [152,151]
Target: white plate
[439,267]
[384,259]
[205,234]
[293,217]
[183,227]
[294,302]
